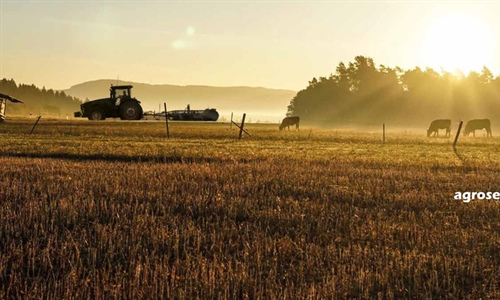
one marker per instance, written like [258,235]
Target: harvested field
[110,209]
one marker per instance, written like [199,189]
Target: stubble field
[104,210]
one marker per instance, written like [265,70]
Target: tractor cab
[119,93]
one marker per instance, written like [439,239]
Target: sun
[457,41]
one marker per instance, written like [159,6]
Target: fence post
[242,124]
[231,123]
[383,132]
[34,125]
[166,119]
[458,134]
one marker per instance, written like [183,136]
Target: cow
[478,124]
[289,121]
[439,124]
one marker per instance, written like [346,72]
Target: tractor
[120,104]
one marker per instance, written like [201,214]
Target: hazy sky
[276,44]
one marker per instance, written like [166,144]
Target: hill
[260,104]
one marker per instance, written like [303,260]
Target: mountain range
[260,104]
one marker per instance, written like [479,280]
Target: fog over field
[260,104]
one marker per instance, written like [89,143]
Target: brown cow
[439,124]
[478,124]
[289,121]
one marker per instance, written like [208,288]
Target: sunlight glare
[190,30]
[457,41]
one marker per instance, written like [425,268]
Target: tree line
[362,93]
[38,101]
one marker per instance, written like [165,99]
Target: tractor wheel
[97,114]
[130,110]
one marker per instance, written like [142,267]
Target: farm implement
[3,104]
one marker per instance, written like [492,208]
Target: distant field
[112,209]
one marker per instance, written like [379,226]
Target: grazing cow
[289,121]
[477,124]
[439,124]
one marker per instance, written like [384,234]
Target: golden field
[104,210]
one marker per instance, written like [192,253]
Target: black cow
[290,121]
[439,124]
[478,124]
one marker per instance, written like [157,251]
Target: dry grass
[115,210]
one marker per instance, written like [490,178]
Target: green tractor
[120,104]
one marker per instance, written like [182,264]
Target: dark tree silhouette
[362,93]
[39,101]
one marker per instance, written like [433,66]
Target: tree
[38,100]
[361,92]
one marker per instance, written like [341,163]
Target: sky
[274,44]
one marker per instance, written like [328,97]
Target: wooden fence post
[34,125]
[231,123]
[235,124]
[383,132]
[242,124]
[458,134]
[166,119]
